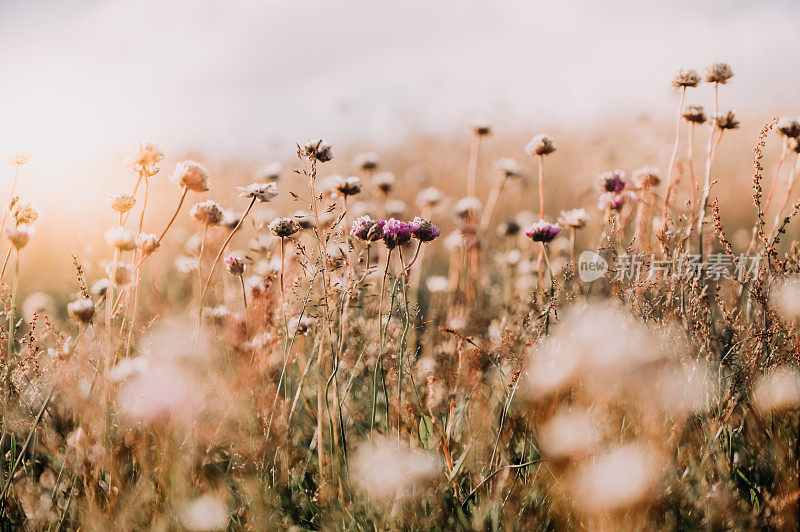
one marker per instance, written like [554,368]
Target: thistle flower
[191,175]
[283,227]
[346,186]
[148,243]
[384,181]
[144,158]
[694,114]
[613,181]
[20,235]
[543,231]
[509,167]
[719,73]
[317,149]
[429,197]
[574,218]
[263,192]
[121,202]
[19,159]
[647,177]
[367,229]
[541,145]
[508,228]
[686,78]
[122,274]
[121,238]
[481,129]
[615,200]
[397,233]
[81,310]
[367,161]
[788,127]
[269,172]
[466,208]
[425,231]
[24,212]
[726,121]
[207,213]
[235,265]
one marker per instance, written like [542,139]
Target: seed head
[694,114]
[235,265]
[541,145]
[317,149]
[395,208]
[481,129]
[686,78]
[726,121]
[574,218]
[191,175]
[367,161]
[263,192]
[23,211]
[99,287]
[429,197]
[425,231]
[508,228]
[615,201]
[468,207]
[303,326]
[122,274]
[384,181]
[719,73]
[794,145]
[509,167]
[269,172]
[788,127]
[283,227]
[647,177]
[613,181]
[207,213]
[367,229]
[144,158]
[304,219]
[20,235]
[346,186]
[148,243]
[81,310]
[543,231]
[121,202]
[121,238]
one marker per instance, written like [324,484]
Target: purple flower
[397,233]
[612,181]
[543,231]
[365,228]
[615,200]
[426,231]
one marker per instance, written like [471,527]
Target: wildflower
[283,227]
[574,218]
[145,157]
[81,310]
[24,212]
[207,213]
[613,181]
[429,197]
[509,167]
[719,73]
[794,145]
[686,78]
[235,265]
[789,127]
[543,231]
[148,243]
[304,219]
[20,235]
[481,129]
[694,114]
[186,264]
[263,192]
[230,219]
[647,177]
[454,240]
[38,303]
[191,175]
[726,121]
[397,233]
[346,186]
[121,202]
[541,145]
[615,201]
[508,228]
[437,284]
[384,181]
[298,325]
[367,229]
[395,208]
[121,238]
[269,172]
[122,274]
[19,159]
[467,208]
[367,161]
[318,150]
[99,287]
[425,231]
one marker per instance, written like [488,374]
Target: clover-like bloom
[719,73]
[191,175]
[207,213]
[121,202]
[694,114]
[20,235]
[543,231]
[317,149]
[81,310]
[24,212]
[541,145]
[426,231]
[283,227]
[615,200]
[263,192]
[367,161]
[367,229]
[235,265]
[121,238]
[574,218]
[397,233]
[686,78]
[145,157]
[613,181]
[727,121]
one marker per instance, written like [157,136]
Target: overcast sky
[251,77]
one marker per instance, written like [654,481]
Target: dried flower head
[541,145]
[425,231]
[397,233]
[794,145]
[283,227]
[613,181]
[368,161]
[647,177]
[144,158]
[317,149]
[694,114]
[543,231]
[262,192]
[121,274]
[429,197]
[719,73]
[367,229]
[481,129]
[615,201]
[395,208]
[509,228]
[789,127]
[121,202]
[148,243]
[191,175]
[385,472]
[19,159]
[23,211]
[99,287]
[121,238]
[466,208]
[437,284]
[384,181]
[20,235]
[204,514]
[235,265]
[574,218]
[346,186]
[269,172]
[726,121]
[509,167]
[568,435]
[81,310]
[304,219]
[686,78]
[301,325]
[207,213]
[230,218]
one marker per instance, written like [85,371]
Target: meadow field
[492,330]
